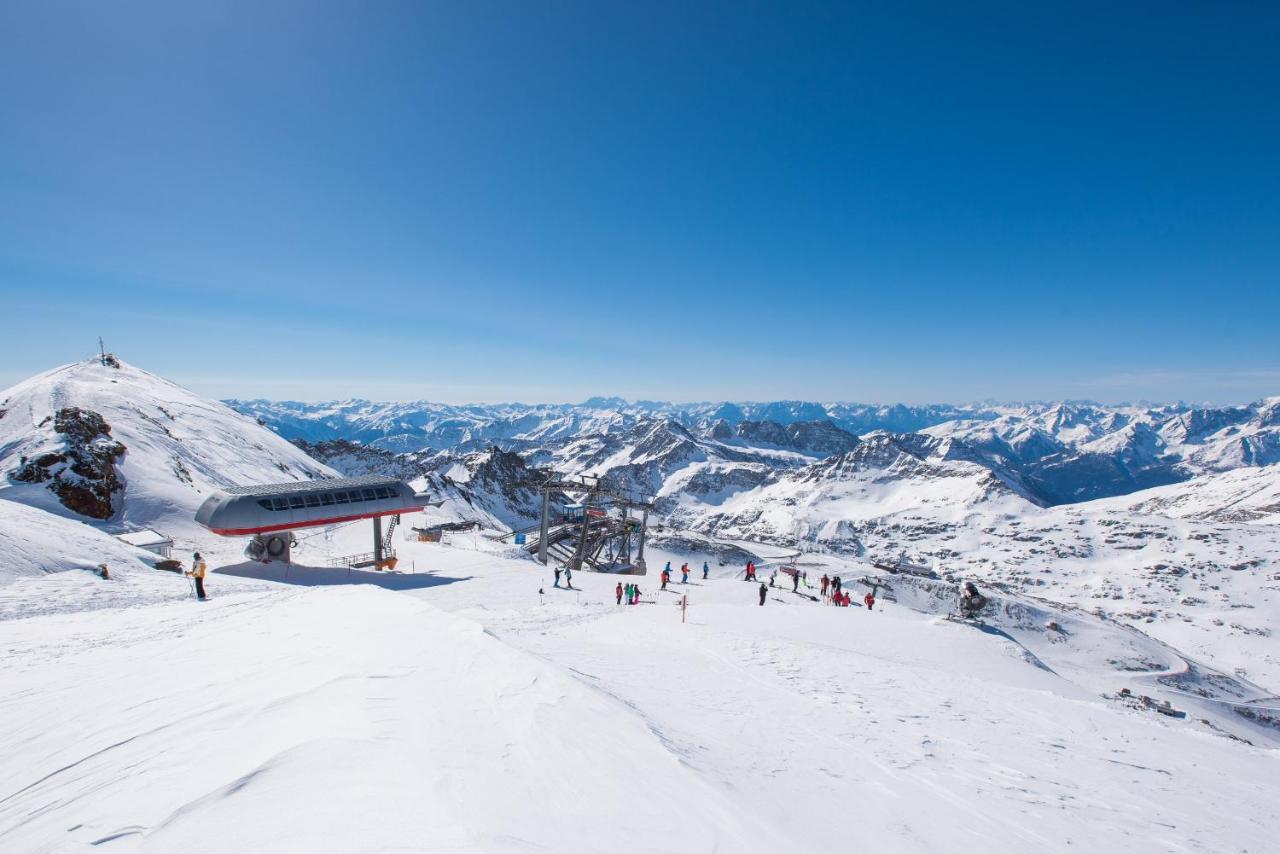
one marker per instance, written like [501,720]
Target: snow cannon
[270,512]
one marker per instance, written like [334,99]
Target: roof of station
[300,487]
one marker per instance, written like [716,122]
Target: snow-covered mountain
[113,444]
[417,425]
[828,503]
[1078,452]
[1060,453]
[1196,563]
[1117,687]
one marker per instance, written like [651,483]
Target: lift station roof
[239,510]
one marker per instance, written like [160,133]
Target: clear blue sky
[544,200]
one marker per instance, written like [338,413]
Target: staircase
[386,537]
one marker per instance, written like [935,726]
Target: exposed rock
[83,474]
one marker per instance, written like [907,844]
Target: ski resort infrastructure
[1116,691]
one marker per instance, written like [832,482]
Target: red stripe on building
[316,523]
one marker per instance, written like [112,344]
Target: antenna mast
[102,352]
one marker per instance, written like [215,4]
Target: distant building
[149,540]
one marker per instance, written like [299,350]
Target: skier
[751,570]
[825,581]
[618,592]
[626,591]
[795,583]
[667,568]
[635,594]
[835,584]
[764,592]
[666,576]
[198,569]
[568,578]
[557,581]
[773,577]
[869,600]
[705,570]
[684,574]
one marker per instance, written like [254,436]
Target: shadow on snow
[318,576]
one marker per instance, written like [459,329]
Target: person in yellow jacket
[198,569]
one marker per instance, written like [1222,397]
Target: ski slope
[454,707]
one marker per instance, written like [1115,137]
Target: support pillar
[626,534]
[545,530]
[582,538]
[377,542]
[644,526]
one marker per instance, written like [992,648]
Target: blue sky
[544,201]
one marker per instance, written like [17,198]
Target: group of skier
[568,578]
[684,573]
[630,592]
[833,591]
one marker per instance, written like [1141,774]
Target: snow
[179,446]
[1240,495]
[34,542]
[464,703]
[466,712]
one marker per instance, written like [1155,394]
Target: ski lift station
[269,513]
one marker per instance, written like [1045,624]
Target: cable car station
[270,512]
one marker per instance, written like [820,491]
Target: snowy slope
[466,712]
[465,703]
[824,504]
[366,721]
[1240,495]
[177,446]
[34,542]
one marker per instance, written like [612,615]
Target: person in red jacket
[618,592]
[869,600]
[666,576]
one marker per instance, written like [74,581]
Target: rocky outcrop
[82,473]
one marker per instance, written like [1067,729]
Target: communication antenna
[102,352]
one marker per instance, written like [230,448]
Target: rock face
[493,487]
[82,473]
[353,459]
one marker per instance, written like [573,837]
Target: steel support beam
[644,527]
[545,529]
[582,540]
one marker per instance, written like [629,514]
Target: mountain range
[1164,516]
